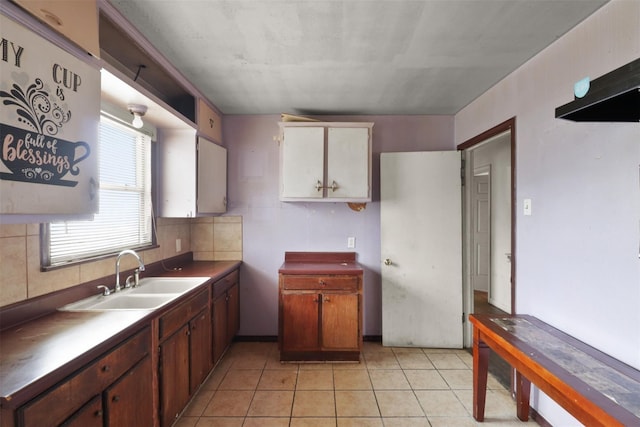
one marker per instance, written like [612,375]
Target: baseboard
[539,419]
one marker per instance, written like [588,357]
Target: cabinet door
[212,177]
[299,321]
[302,162]
[178,162]
[200,344]
[209,122]
[348,163]
[340,322]
[233,312]
[90,415]
[129,402]
[78,20]
[219,326]
[174,375]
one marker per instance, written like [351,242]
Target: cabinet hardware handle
[105,368]
[98,413]
[323,283]
[387,261]
[326,299]
[334,186]
[116,398]
[315,300]
[319,186]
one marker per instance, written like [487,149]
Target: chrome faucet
[126,251]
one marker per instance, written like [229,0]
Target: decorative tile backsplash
[210,239]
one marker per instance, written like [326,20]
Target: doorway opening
[489,208]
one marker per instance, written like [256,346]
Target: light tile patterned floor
[391,387]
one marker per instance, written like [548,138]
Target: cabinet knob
[322,282]
[334,186]
[105,368]
[116,398]
[98,413]
[326,299]
[387,261]
[319,186]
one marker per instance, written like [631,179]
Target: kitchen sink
[121,301]
[151,293]
[166,285]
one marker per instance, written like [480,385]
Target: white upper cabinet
[193,175]
[49,116]
[212,177]
[325,161]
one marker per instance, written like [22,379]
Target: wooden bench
[595,388]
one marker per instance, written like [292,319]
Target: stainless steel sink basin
[167,285]
[121,301]
[151,293]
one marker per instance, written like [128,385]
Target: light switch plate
[527,207]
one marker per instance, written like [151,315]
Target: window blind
[124,220]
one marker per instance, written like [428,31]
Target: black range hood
[613,97]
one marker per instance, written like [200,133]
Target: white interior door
[421,245]
[481,222]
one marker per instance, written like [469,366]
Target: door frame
[464,147]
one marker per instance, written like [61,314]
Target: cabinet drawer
[179,316]
[221,286]
[58,404]
[347,283]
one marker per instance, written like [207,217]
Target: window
[124,219]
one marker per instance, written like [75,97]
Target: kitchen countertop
[320,263]
[46,350]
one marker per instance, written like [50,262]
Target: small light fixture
[138,111]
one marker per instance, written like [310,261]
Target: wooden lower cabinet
[88,398]
[174,375]
[185,355]
[320,317]
[130,401]
[200,348]
[226,313]
[90,415]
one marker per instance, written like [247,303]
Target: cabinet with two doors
[322,161]
[185,354]
[320,310]
[114,390]
[193,175]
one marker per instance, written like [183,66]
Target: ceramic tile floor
[391,387]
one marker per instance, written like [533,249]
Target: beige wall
[211,238]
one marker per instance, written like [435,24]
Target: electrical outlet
[178,245]
[351,242]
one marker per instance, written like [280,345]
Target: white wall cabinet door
[193,177]
[322,161]
[302,163]
[348,163]
[49,115]
[212,177]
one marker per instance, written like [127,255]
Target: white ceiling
[350,56]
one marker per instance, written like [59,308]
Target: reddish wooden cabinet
[226,313]
[185,354]
[83,399]
[320,307]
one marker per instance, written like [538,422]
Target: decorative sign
[49,112]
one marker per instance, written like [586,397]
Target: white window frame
[125,206]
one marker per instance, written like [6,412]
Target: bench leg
[523,390]
[480,368]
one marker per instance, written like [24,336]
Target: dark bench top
[568,370]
